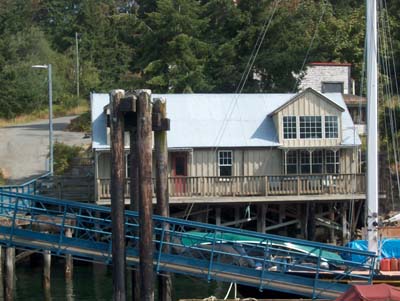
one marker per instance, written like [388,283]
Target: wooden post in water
[117,196]
[69,262]
[311,221]
[144,128]
[10,274]
[134,197]
[161,153]
[46,274]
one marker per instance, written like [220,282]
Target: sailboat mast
[372,126]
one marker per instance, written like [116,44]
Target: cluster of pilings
[8,259]
[137,114]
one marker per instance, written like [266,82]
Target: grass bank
[58,111]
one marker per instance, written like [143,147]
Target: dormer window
[289,127]
[310,127]
[331,127]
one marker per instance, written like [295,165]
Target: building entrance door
[179,172]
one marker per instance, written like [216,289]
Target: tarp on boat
[377,292]
[388,248]
[193,238]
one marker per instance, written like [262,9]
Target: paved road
[24,148]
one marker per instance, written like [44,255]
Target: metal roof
[219,120]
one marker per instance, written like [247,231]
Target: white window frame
[289,127]
[331,127]
[332,158]
[227,160]
[292,160]
[317,159]
[304,161]
[310,123]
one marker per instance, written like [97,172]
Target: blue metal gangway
[202,250]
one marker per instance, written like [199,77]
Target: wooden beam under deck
[255,199]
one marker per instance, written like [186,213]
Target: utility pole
[77,66]
[117,196]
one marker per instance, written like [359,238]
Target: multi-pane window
[225,163]
[289,127]
[317,161]
[331,127]
[304,162]
[310,127]
[332,163]
[291,162]
[313,162]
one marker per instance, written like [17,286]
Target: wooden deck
[287,188]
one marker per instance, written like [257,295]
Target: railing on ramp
[201,250]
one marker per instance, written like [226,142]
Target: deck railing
[254,185]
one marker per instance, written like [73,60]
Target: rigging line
[325,4]
[266,28]
[259,45]
[387,95]
[383,66]
[395,80]
[245,74]
[252,54]
[232,105]
[389,91]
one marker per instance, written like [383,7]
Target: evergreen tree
[172,55]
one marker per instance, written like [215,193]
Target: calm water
[95,283]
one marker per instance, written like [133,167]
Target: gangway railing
[29,187]
[201,250]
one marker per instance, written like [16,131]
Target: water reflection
[94,282]
[69,289]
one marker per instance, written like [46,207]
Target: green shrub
[81,123]
[63,156]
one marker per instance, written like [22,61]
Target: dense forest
[173,46]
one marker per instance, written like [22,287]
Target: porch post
[96,176]
[285,161]
[310,151]
[335,165]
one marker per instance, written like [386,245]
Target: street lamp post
[51,145]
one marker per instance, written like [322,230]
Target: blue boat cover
[387,248]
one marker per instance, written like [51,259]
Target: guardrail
[239,186]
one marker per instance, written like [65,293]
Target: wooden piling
[311,221]
[161,154]
[46,274]
[144,127]
[134,200]
[10,274]
[117,196]
[69,262]
[218,216]
[261,218]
